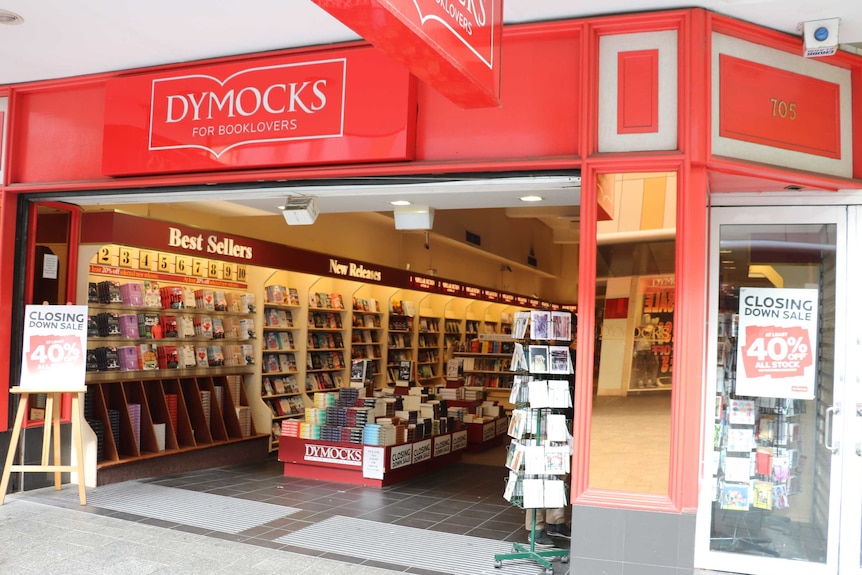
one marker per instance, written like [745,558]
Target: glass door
[851,506]
[779,350]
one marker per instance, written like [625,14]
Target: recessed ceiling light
[400,203]
[10,18]
[531,198]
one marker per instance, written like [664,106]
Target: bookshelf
[367,337]
[280,373]
[401,331]
[167,364]
[326,360]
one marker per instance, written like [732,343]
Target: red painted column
[8,209]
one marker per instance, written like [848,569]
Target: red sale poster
[55,345]
[777,342]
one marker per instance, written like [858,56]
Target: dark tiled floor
[463,499]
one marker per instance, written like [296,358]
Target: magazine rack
[534,360]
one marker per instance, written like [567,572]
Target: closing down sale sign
[777,342]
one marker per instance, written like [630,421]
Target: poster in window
[777,339]
[652,361]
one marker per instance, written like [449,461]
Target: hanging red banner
[453,45]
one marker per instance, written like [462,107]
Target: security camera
[820,38]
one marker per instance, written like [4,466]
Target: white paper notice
[372,462]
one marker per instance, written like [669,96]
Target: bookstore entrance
[782,454]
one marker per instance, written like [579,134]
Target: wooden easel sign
[52,363]
[55,344]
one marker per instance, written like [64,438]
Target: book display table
[482,436]
[369,465]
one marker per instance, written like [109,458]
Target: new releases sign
[258,104]
[55,344]
[453,45]
[777,342]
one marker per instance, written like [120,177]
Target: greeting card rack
[539,454]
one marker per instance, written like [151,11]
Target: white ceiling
[63,38]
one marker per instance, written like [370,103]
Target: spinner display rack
[535,425]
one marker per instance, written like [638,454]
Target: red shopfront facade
[714,101]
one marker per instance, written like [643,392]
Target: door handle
[828,439]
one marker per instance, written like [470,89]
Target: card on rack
[511,484]
[561,325]
[559,393]
[534,493]
[519,359]
[557,460]
[538,390]
[741,411]
[740,439]
[762,495]
[538,358]
[540,324]
[737,469]
[735,496]
[556,428]
[555,494]
[534,460]
[560,361]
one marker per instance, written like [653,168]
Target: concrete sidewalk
[44,539]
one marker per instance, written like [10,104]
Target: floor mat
[409,546]
[203,510]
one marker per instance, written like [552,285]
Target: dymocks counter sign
[55,341]
[777,341]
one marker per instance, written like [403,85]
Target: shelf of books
[279,369]
[367,339]
[327,352]
[167,358]
[539,455]
[400,335]
[429,349]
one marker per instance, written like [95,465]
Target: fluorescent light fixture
[400,202]
[414,217]
[766,272]
[300,210]
[531,198]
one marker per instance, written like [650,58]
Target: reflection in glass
[635,298]
[770,472]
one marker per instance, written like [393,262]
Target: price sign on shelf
[55,347]
[777,342]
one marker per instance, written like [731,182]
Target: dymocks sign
[453,45]
[264,112]
[276,103]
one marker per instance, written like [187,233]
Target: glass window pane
[635,297]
